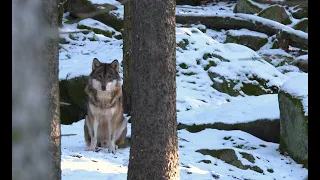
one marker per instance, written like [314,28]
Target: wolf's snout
[103,88]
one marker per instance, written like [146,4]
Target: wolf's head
[105,76]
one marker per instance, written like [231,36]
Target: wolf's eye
[109,76]
[100,76]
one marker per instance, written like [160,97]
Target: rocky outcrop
[276,13]
[252,40]
[247,7]
[300,11]
[73,99]
[265,129]
[302,25]
[293,101]
[238,21]
[85,9]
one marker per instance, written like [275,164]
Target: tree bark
[34,59]
[51,58]
[154,148]
[127,59]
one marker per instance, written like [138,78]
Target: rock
[73,107]
[85,9]
[238,21]
[276,13]
[247,7]
[229,156]
[254,86]
[300,11]
[302,25]
[293,104]
[265,129]
[251,39]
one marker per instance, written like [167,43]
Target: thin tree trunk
[127,59]
[51,56]
[154,148]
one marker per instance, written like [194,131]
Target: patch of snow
[303,57]
[239,110]
[297,86]
[246,32]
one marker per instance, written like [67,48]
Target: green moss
[206,161]
[239,146]
[270,170]
[227,138]
[257,169]
[211,63]
[63,41]
[283,147]
[183,44]
[263,145]
[191,82]
[206,56]
[198,61]
[184,66]
[73,37]
[248,156]
[189,73]
[97,31]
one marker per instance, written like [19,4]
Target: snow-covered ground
[197,103]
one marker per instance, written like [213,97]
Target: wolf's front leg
[94,139]
[111,140]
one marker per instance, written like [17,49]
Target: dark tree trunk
[154,148]
[127,59]
[51,57]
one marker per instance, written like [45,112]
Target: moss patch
[248,156]
[294,128]
[302,25]
[189,73]
[211,63]
[276,13]
[96,30]
[229,156]
[245,6]
[266,129]
[184,66]
[72,92]
[253,42]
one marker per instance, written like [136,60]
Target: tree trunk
[154,148]
[127,59]
[51,57]
[34,59]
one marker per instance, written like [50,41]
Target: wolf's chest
[96,111]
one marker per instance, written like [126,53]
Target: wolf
[105,126]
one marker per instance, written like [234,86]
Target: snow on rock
[297,86]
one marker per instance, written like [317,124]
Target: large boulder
[300,11]
[293,104]
[276,13]
[73,99]
[251,39]
[84,9]
[302,25]
[247,7]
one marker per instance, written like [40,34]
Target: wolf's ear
[95,64]
[115,65]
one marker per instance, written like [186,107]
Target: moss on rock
[72,93]
[229,156]
[276,13]
[293,128]
[97,30]
[253,42]
[247,7]
[302,25]
[265,129]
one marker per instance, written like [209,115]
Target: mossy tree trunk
[51,58]
[127,58]
[154,147]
